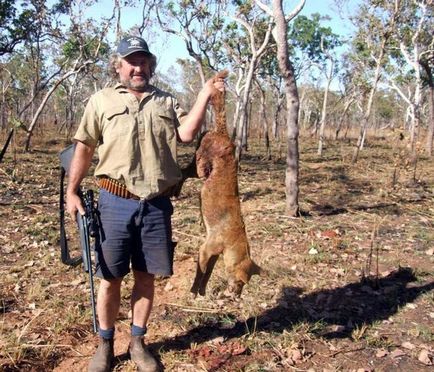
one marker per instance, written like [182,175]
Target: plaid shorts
[134,232]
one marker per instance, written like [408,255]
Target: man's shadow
[341,310]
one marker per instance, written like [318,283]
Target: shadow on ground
[341,310]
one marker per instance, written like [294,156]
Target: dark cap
[132,44]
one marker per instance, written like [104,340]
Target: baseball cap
[132,44]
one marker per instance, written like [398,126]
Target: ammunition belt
[115,187]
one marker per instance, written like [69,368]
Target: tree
[5,82]
[317,43]
[17,23]
[349,93]
[369,51]
[258,33]
[82,48]
[414,42]
[263,117]
[280,34]
[25,26]
[428,66]
[198,23]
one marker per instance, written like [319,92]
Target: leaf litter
[348,286]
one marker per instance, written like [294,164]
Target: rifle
[88,226]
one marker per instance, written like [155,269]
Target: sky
[169,48]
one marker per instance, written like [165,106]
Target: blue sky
[169,48]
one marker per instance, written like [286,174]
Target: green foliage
[61,7]
[17,123]
[16,24]
[244,7]
[238,38]
[84,45]
[374,22]
[386,106]
[310,37]
[22,74]
[20,21]
[201,23]
[415,27]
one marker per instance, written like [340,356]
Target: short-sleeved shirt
[136,141]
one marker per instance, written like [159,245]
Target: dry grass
[352,277]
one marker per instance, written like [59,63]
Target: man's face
[135,71]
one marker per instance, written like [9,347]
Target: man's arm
[193,121]
[79,166]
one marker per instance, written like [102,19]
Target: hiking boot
[141,356]
[102,360]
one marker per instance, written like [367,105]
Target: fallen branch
[344,351]
[191,309]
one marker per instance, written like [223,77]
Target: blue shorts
[136,232]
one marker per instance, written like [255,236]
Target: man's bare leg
[142,299]
[108,302]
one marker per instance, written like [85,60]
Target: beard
[138,83]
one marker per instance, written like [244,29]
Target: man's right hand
[79,166]
[74,204]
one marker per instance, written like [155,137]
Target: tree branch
[296,10]
[264,7]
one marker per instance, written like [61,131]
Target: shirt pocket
[163,124]
[117,121]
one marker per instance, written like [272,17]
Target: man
[135,127]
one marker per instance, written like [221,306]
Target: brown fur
[220,207]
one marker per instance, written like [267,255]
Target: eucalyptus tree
[17,23]
[310,104]
[5,83]
[329,73]
[25,28]
[255,32]
[15,76]
[280,34]
[77,50]
[349,99]
[413,48]
[263,117]
[198,23]
[189,80]
[45,28]
[428,66]
[375,22]
[269,75]
[349,93]
[269,82]
[317,43]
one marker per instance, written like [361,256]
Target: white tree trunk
[292,105]
[38,112]
[324,108]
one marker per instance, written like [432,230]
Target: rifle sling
[64,251]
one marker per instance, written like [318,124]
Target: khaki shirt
[136,140]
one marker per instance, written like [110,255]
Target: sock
[138,331]
[108,334]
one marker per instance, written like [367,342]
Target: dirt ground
[348,285]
